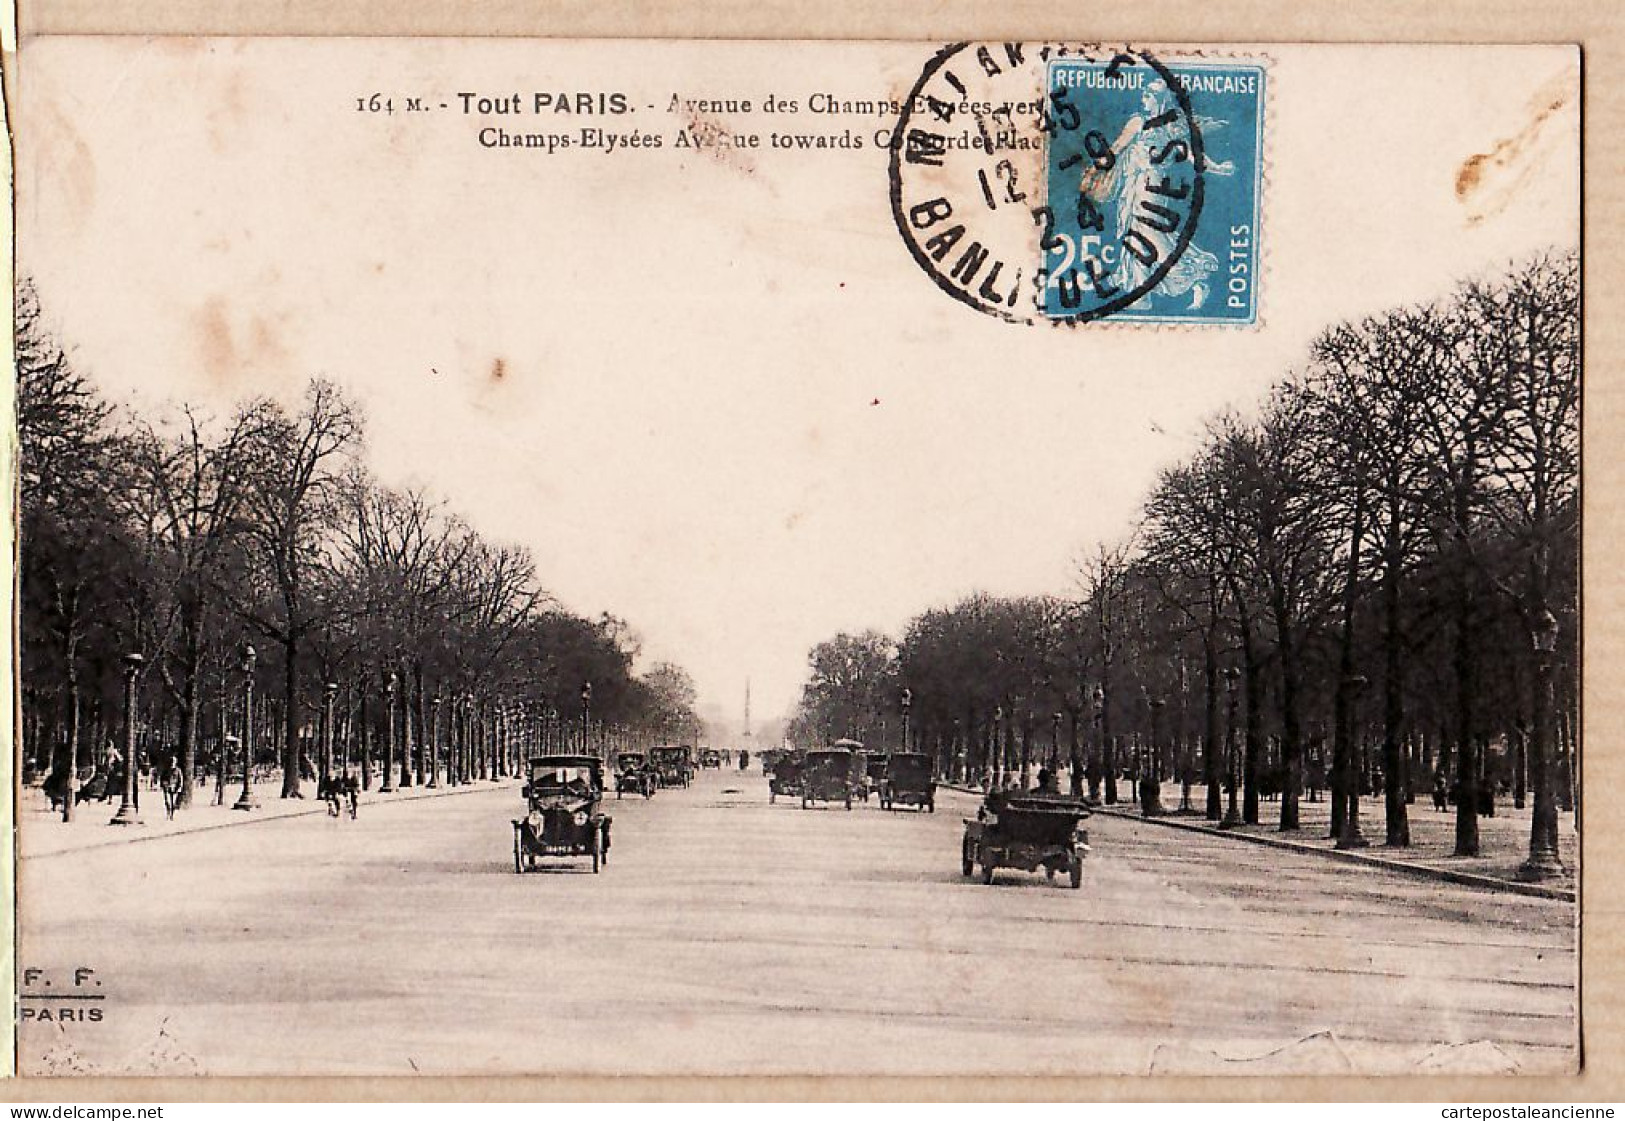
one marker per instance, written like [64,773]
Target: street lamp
[127,813]
[1232,816]
[1543,862]
[586,714]
[329,692]
[908,704]
[245,800]
[1351,838]
[389,734]
[1054,742]
[465,764]
[997,757]
[1150,772]
[1100,763]
[433,746]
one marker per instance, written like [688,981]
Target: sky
[715,396]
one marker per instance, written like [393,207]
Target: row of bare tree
[1376,569]
[187,538]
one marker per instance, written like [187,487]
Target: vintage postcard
[797,558]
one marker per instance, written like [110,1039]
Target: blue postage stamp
[1153,191]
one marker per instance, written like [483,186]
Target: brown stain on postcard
[1488,181]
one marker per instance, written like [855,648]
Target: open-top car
[783,774]
[907,781]
[633,775]
[562,817]
[828,776]
[674,764]
[1026,832]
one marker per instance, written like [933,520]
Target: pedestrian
[352,792]
[329,789]
[1440,790]
[170,780]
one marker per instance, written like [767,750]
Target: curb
[315,808]
[1465,879]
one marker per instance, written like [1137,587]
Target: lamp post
[1150,771]
[1543,862]
[389,734]
[127,813]
[1232,815]
[432,744]
[997,757]
[329,692]
[1054,742]
[586,714]
[245,800]
[908,704]
[1097,760]
[1351,837]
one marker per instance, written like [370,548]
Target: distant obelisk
[747,708]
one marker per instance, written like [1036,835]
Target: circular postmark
[1046,182]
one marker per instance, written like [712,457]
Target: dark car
[633,775]
[674,764]
[783,774]
[562,818]
[1012,831]
[711,759]
[828,776]
[908,781]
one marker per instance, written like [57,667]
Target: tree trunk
[406,727]
[1291,731]
[191,712]
[1396,780]
[290,716]
[1252,674]
[1211,749]
[1466,746]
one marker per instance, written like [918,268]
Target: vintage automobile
[1026,832]
[874,767]
[711,759]
[633,775]
[783,774]
[769,758]
[562,795]
[674,764]
[829,776]
[908,782]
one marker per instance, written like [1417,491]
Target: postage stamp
[1154,193]
[1071,184]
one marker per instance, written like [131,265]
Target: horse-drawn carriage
[1013,831]
[562,797]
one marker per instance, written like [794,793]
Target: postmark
[1073,184]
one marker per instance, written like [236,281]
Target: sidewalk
[1503,839]
[42,832]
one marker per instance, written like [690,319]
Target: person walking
[170,781]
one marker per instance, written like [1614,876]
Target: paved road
[731,936]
